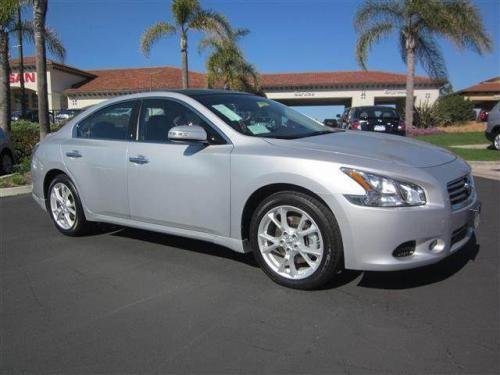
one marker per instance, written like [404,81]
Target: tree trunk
[4,83]
[184,61]
[410,83]
[21,62]
[40,12]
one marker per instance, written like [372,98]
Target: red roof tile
[137,79]
[490,85]
[339,79]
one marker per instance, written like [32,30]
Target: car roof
[374,106]
[199,92]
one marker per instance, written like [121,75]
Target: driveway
[130,301]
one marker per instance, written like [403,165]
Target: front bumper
[378,232]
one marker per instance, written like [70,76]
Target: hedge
[25,135]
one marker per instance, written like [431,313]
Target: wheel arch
[49,176]
[262,193]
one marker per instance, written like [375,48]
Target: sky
[285,36]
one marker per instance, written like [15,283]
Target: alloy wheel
[496,142]
[290,242]
[63,206]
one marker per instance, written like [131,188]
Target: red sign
[28,77]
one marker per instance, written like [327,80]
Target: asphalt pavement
[130,301]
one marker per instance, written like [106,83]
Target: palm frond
[7,12]
[153,34]
[184,11]
[52,41]
[429,56]
[373,12]
[54,44]
[368,38]
[211,22]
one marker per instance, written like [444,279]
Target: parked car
[29,115]
[66,114]
[6,154]
[331,122]
[492,132]
[251,174]
[374,118]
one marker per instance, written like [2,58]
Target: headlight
[383,191]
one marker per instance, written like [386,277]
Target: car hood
[386,148]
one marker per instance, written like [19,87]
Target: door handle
[139,159]
[74,154]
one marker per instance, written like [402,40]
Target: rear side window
[115,122]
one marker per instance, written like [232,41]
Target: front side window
[158,116]
[114,122]
[259,117]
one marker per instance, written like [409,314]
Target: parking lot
[131,301]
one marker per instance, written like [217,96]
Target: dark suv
[373,118]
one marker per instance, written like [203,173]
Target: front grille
[459,191]
[458,235]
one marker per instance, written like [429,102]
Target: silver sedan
[251,174]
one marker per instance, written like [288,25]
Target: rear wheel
[496,141]
[296,240]
[65,207]
[6,162]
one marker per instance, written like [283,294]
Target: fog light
[404,250]
[436,245]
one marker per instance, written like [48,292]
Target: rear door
[96,157]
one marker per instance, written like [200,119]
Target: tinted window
[376,113]
[114,122]
[158,116]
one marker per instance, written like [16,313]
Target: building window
[363,95]
[74,102]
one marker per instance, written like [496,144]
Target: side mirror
[185,133]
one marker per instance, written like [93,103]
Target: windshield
[260,117]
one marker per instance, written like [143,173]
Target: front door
[96,158]
[180,185]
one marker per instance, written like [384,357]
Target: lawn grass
[454,139]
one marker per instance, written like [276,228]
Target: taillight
[355,125]
[401,125]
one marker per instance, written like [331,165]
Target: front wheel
[296,240]
[65,207]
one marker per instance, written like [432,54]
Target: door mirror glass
[185,133]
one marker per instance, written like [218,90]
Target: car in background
[492,132]
[331,122]
[66,114]
[6,153]
[29,115]
[380,119]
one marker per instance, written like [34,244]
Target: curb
[13,191]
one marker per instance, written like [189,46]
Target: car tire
[286,264]
[65,208]
[496,141]
[6,163]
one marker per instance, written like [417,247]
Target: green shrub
[424,116]
[24,165]
[452,109]
[25,135]
[18,179]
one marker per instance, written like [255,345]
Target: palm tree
[39,16]
[226,63]
[7,11]
[188,15]
[417,24]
